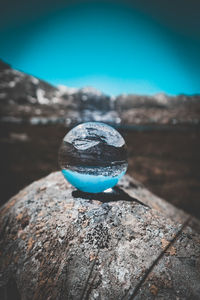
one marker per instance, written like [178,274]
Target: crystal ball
[93,157]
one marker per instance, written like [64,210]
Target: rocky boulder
[59,243]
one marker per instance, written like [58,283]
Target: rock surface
[58,243]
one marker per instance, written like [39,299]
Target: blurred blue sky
[116,46]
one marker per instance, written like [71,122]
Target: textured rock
[58,243]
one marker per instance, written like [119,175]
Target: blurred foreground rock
[58,243]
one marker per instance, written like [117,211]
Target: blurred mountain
[159,109]
[25,98]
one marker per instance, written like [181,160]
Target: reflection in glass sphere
[93,157]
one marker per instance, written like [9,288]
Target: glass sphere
[93,157]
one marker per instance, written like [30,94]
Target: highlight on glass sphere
[93,157]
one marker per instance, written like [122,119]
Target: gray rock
[58,243]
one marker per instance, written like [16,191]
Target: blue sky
[112,45]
